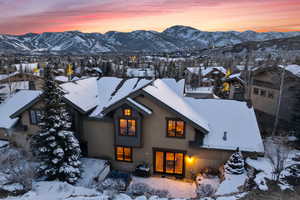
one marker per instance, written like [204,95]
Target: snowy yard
[176,188]
[93,170]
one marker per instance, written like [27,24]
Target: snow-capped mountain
[172,39]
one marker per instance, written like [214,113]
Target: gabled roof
[128,101]
[165,91]
[233,117]
[83,94]
[216,116]
[15,104]
[112,89]
[205,71]
[294,69]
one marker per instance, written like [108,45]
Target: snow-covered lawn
[176,188]
[92,169]
[231,184]
[56,190]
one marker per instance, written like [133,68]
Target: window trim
[167,125]
[127,118]
[35,113]
[254,91]
[131,154]
[263,93]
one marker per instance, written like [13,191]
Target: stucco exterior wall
[264,103]
[100,137]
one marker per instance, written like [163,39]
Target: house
[135,121]
[140,72]
[204,76]
[265,95]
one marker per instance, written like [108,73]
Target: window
[175,128]
[127,127]
[263,93]
[35,116]
[271,94]
[124,154]
[127,112]
[256,91]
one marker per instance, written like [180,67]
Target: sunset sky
[23,16]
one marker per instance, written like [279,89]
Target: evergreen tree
[235,164]
[55,145]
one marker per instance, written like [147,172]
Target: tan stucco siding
[264,103]
[100,138]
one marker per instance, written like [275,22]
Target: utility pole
[279,101]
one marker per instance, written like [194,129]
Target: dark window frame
[127,129]
[256,91]
[123,155]
[165,150]
[263,93]
[37,119]
[167,128]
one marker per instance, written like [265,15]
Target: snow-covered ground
[92,169]
[56,190]
[176,188]
[231,184]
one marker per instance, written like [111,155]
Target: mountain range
[175,38]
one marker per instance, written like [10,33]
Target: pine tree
[55,145]
[235,164]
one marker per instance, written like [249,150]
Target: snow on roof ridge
[161,90]
[15,103]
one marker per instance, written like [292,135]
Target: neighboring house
[19,127]
[135,121]
[237,87]
[204,76]
[140,72]
[265,95]
[35,81]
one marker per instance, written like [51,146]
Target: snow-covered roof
[214,115]
[233,117]
[62,78]
[294,69]
[205,71]
[138,72]
[82,93]
[167,92]
[4,76]
[140,106]
[13,104]
[200,90]
[20,85]
[112,89]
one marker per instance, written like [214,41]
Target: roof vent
[225,136]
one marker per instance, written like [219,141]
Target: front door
[168,162]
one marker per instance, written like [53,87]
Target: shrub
[138,189]
[205,190]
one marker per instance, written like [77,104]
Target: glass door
[169,162]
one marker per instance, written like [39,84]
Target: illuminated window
[175,128]
[127,112]
[127,127]
[124,154]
